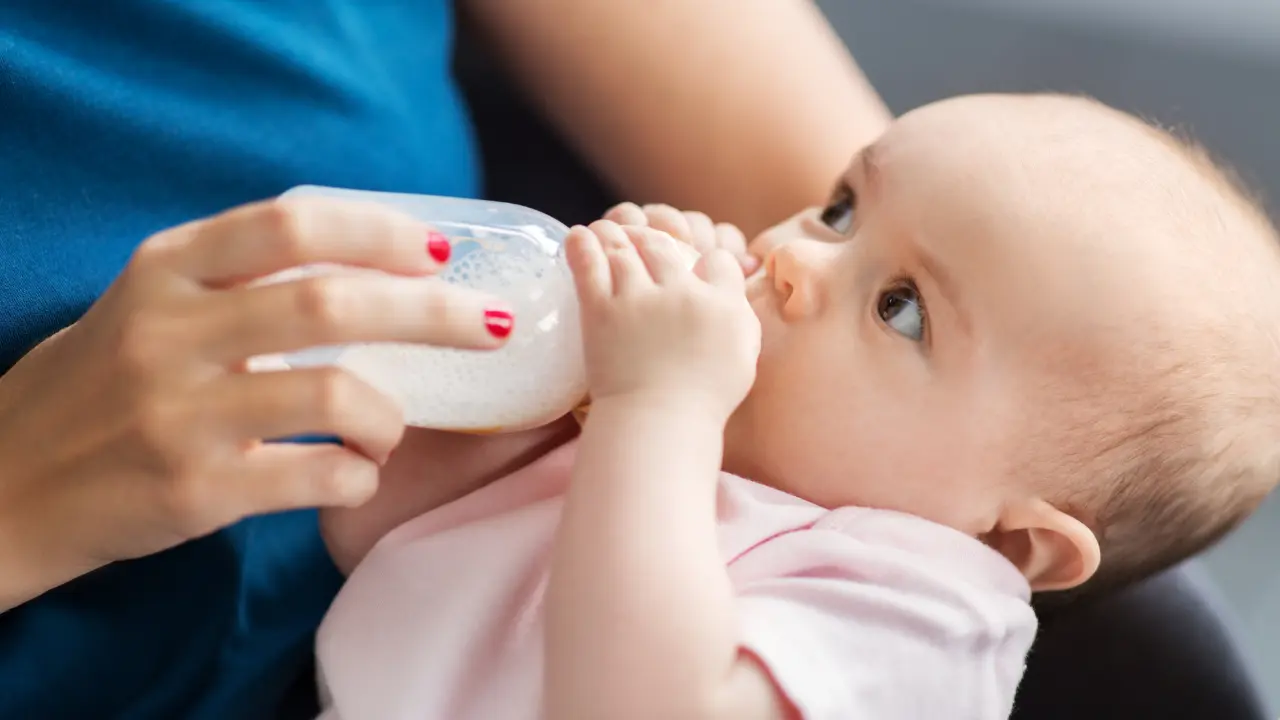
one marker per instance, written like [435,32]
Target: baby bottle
[511,252]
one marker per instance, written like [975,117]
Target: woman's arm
[744,109]
[430,469]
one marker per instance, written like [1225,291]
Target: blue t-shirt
[120,118]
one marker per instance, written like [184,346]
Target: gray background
[1209,67]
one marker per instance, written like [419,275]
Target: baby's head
[1034,319]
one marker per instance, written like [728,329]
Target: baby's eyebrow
[946,284]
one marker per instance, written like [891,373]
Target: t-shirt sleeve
[849,628]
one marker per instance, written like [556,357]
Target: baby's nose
[796,271]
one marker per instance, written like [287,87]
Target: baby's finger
[590,266]
[702,230]
[723,270]
[626,269]
[671,221]
[659,253]
[264,238]
[627,213]
[730,238]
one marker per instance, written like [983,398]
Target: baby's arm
[640,612]
[640,607]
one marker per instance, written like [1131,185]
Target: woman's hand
[138,427]
[689,227]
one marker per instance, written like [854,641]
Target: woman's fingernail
[438,247]
[499,323]
[750,264]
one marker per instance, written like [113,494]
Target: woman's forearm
[428,470]
[32,561]
[744,109]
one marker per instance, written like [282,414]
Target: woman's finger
[627,214]
[257,240]
[311,401]
[343,308]
[281,476]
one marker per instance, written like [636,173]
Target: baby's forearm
[640,611]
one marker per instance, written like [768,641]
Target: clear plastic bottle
[510,251]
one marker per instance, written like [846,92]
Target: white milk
[535,378]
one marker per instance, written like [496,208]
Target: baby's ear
[1052,549]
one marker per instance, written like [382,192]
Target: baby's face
[965,264]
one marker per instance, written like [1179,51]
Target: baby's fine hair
[1177,440]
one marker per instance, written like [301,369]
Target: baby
[1030,346]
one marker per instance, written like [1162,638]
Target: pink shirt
[856,613]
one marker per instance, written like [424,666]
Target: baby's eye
[901,309]
[838,214]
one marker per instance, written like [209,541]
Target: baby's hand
[656,330]
[692,228]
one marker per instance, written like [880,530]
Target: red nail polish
[438,247]
[499,323]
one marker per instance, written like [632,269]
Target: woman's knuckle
[334,393]
[151,252]
[158,428]
[389,230]
[144,343]
[320,302]
[440,309]
[189,501]
[331,479]
[326,479]
[285,223]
